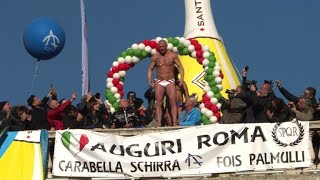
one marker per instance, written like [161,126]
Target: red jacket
[55,116]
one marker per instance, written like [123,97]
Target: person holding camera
[19,118]
[279,111]
[234,110]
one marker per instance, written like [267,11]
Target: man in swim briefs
[165,61]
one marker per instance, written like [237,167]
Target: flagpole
[85,63]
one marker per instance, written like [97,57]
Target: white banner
[189,151]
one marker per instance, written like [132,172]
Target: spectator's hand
[51,92]
[89,96]
[29,117]
[79,117]
[269,114]
[128,126]
[318,107]
[292,107]
[244,72]
[52,129]
[113,126]
[278,83]
[73,96]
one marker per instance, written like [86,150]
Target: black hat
[30,100]
[268,82]
[2,103]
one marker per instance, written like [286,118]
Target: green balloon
[175,42]
[130,52]
[212,59]
[108,93]
[112,99]
[215,89]
[137,52]
[212,53]
[210,78]
[123,54]
[170,39]
[185,51]
[209,71]
[212,84]
[211,65]
[205,120]
[122,79]
[218,96]
[115,105]
[180,46]
[144,54]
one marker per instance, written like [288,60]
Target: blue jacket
[190,119]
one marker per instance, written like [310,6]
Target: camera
[230,91]
[253,82]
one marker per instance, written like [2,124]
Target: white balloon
[121,83]
[110,85]
[206,55]
[206,89]
[205,62]
[135,46]
[191,48]
[194,54]
[135,59]
[205,48]
[128,59]
[213,119]
[220,87]
[216,73]
[117,95]
[153,51]
[217,68]
[148,49]
[218,80]
[141,46]
[209,113]
[121,60]
[203,110]
[175,49]
[122,73]
[219,105]
[112,110]
[116,75]
[115,64]
[158,39]
[114,90]
[213,100]
[201,106]
[205,68]
[217,64]
[210,94]
[170,46]
[109,80]
[165,40]
[186,43]
[182,40]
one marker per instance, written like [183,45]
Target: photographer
[279,111]
[234,109]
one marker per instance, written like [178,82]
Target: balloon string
[34,77]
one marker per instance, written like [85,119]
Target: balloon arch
[210,105]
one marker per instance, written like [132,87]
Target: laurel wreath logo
[296,142]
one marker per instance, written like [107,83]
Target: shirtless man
[165,61]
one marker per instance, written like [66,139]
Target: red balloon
[132,64]
[214,109]
[217,114]
[121,93]
[110,74]
[115,82]
[208,104]
[200,60]
[147,42]
[119,87]
[221,75]
[121,67]
[199,54]
[127,66]
[115,69]
[153,45]
[193,41]
[205,98]
[197,47]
